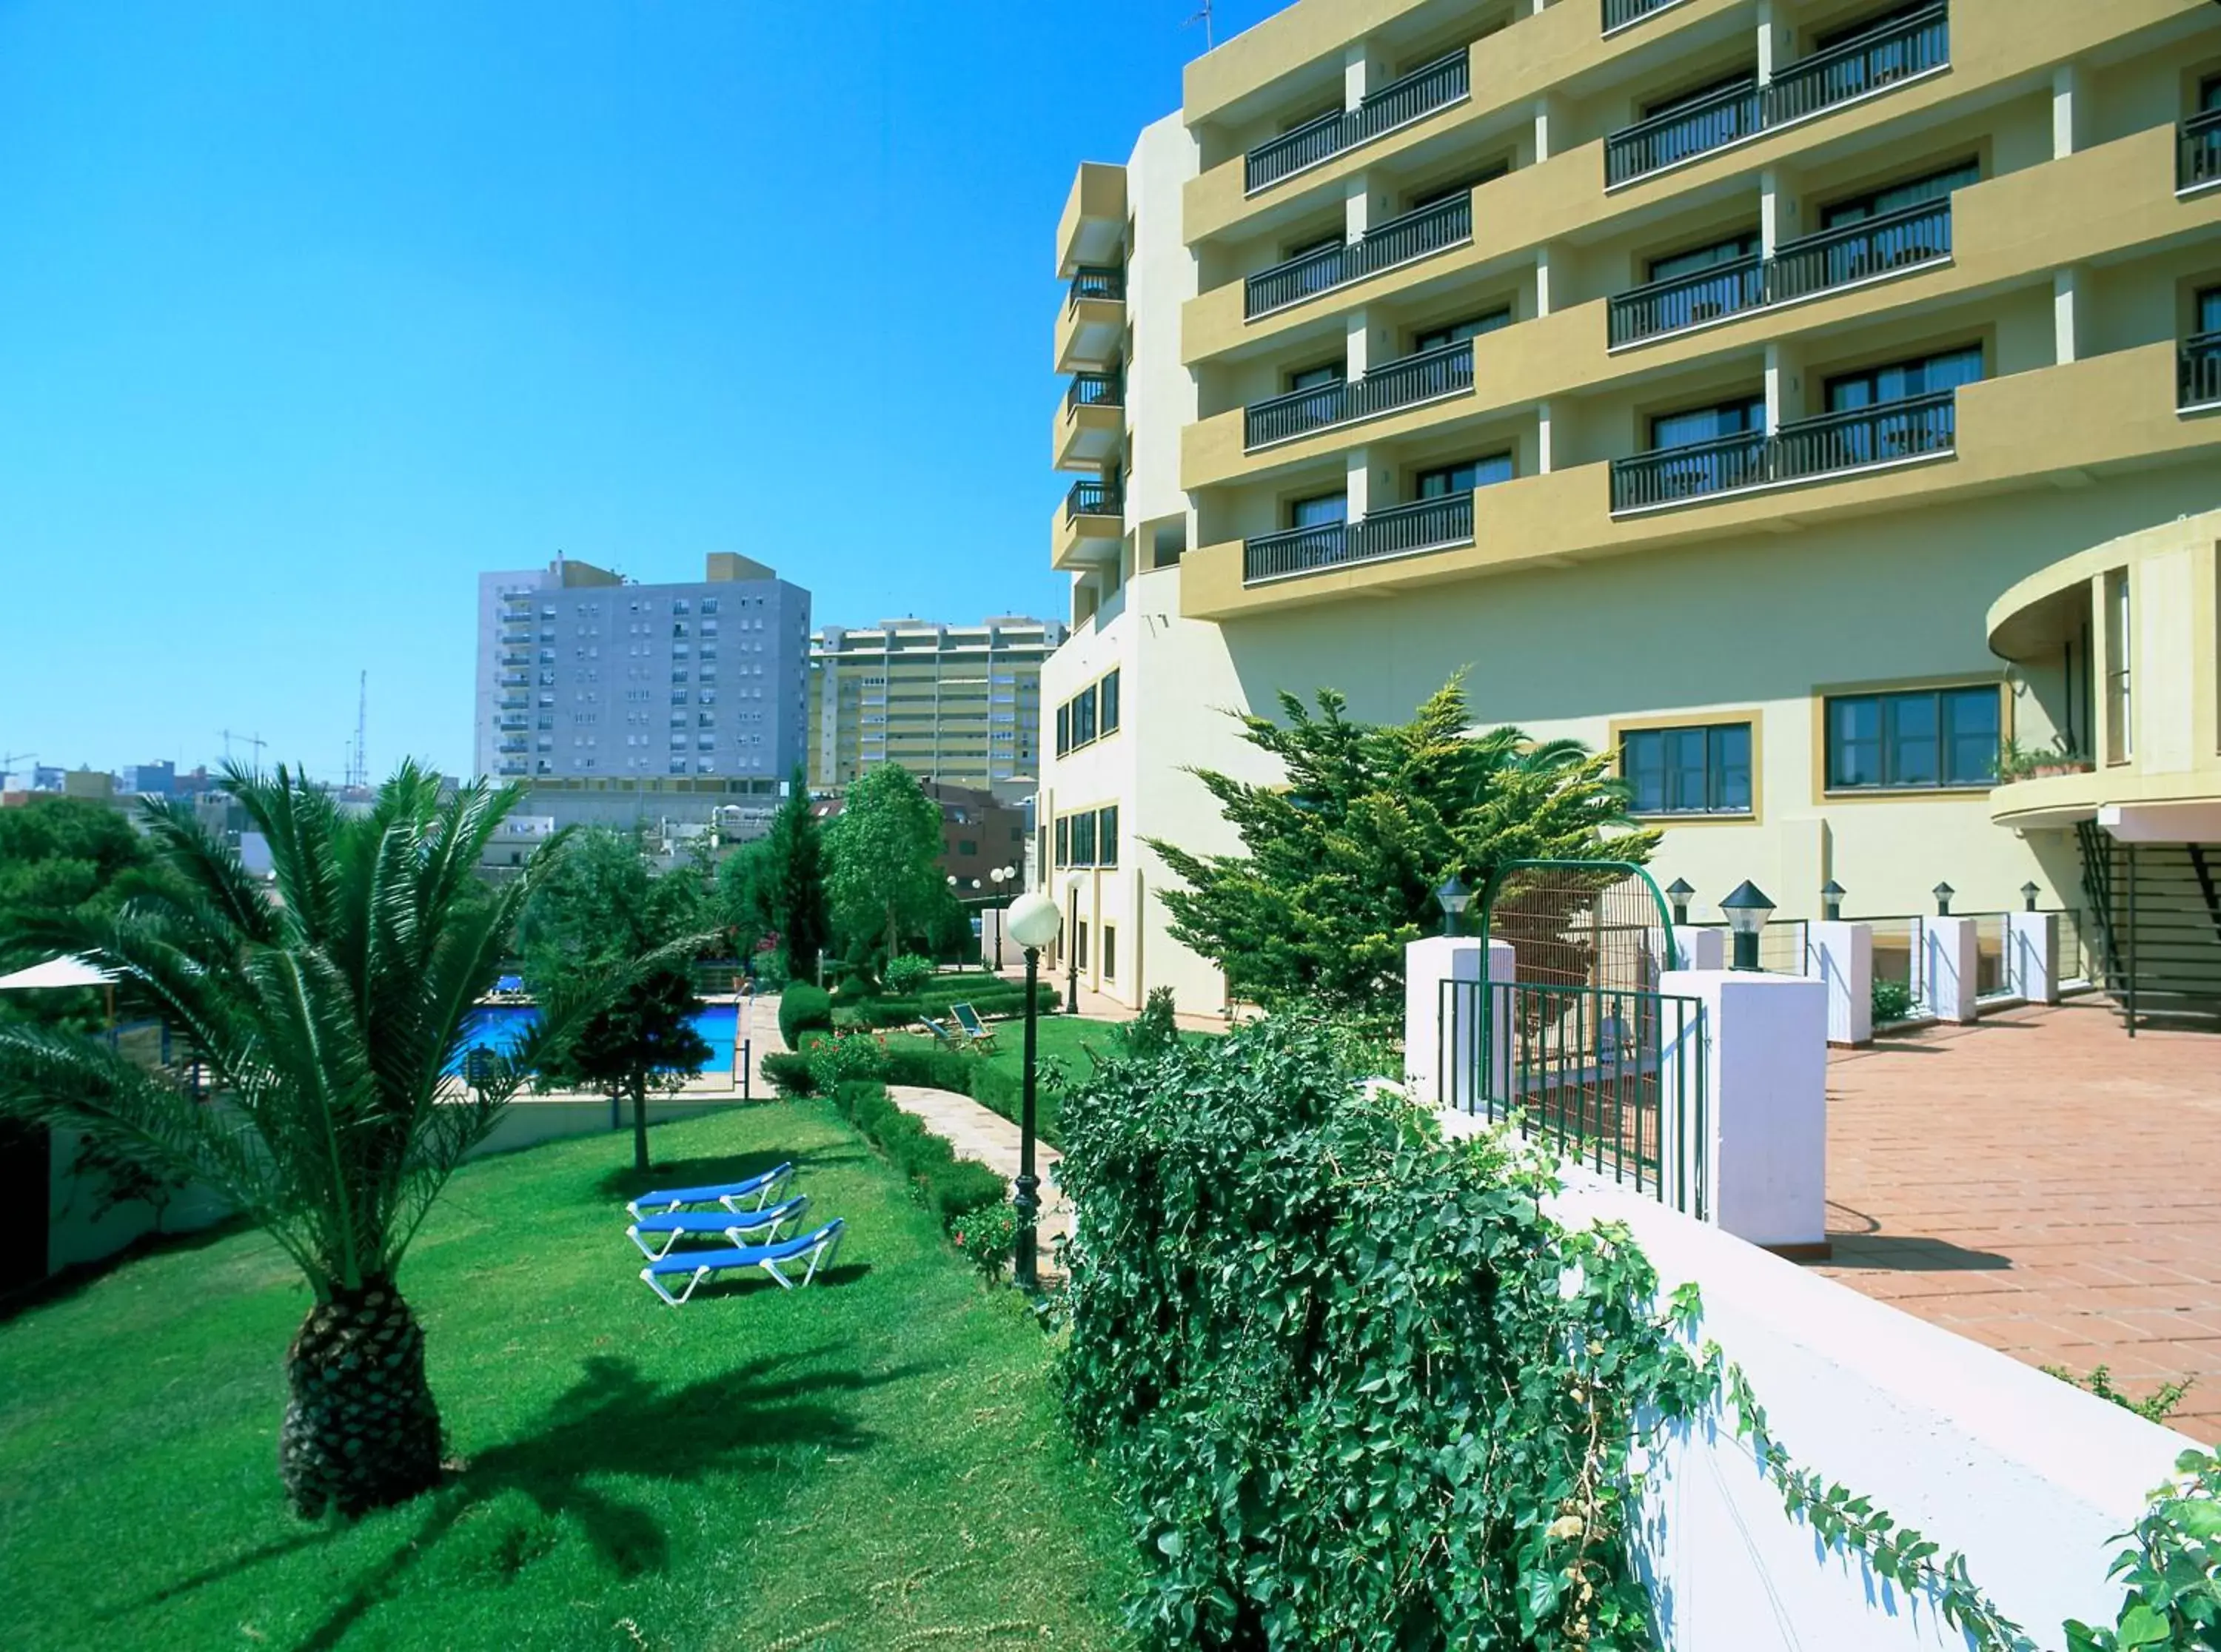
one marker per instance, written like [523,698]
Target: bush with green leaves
[1356,1389]
[788,1071]
[905,975]
[801,1009]
[988,1238]
[1154,1029]
[843,1058]
[2171,1570]
[1892,1001]
[952,1187]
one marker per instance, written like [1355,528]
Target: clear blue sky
[311,311]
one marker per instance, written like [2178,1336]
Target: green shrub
[1356,1389]
[801,1008]
[950,1186]
[789,1073]
[965,1186]
[845,1057]
[988,1236]
[1154,1029]
[1892,1001]
[932,1068]
[907,973]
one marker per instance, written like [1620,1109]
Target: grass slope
[1070,1041]
[874,1462]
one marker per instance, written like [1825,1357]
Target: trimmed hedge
[954,1188]
[801,1007]
[996,999]
[789,1073]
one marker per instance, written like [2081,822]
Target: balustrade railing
[1422,525]
[1416,234]
[2197,153]
[1911,46]
[1425,377]
[1837,258]
[1426,89]
[1914,428]
[1095,390]
[1685,301]
[1091,497]
[2199,381]
[1095,281]
[1618,14]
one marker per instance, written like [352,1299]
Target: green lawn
[874,1462]
[1066,1040]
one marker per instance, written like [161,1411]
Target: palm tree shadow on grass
[611,1422]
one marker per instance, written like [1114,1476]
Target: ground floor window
[1906,741]
[1696,771]
[1109,952]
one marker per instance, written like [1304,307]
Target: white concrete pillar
[1694,948]
[1949,956]
[1546,438]
[1549,280]
[1359,484]
[1780,214]
[1785,385]
[2070,110]
[1357,348]
[1550,132]
[1775,41]
[2032,956]
[1764,1056]
[1356,208]
[2070,302]
[1844,954]
[1444,978]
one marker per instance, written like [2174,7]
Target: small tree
[777,885]
[597,913]
[1344,857]
[886,881]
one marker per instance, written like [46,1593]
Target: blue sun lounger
[819,1247]
[764,1225]
[762,1189]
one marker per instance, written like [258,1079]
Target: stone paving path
[978,1133]
[2043,1184]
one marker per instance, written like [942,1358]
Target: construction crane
[254,740]
[358,765]
[7,761]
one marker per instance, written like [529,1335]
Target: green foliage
[1342,859]
[2172,1570]
[1154,1029]
[788,1071]
[803,1008]
[930,1067]
[907,973]
[844,1057]
[329,1018]
[1356,1389]
[2157,1407]
[63,861]
[1892,1001]
[951,1188]
[774,888]
[599,917]
[885,883]
[988,1238]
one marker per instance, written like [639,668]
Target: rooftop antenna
[1203,16]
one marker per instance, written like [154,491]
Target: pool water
[500,1026]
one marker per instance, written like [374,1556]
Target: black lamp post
[2028,893]
[1453,898]
[1034,925]
[1831,901]
[1943,892]
[1746,911]
[1002,875]
[1072,952]
[1679,893]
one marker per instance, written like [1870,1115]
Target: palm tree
[327,1008]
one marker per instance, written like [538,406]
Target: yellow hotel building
[1817,402]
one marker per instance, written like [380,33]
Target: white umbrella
[64,971]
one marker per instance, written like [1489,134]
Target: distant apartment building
[959,704]
[622,702]
[1816,404]
[147,779]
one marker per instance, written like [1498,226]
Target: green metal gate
[1581,1048]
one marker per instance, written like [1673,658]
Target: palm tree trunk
[638,1123]
[361,1430]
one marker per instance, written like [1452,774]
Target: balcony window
[1439,338]
[1464,476]
[1929,740]
[1320,137]
[1464,184]
[1083,716]
[1933,186]
[1695,770]
[1332,262]
[1320,510]
[1063,841]
[1107,703]
[1902,380]
[1317,378]
[2200,375]
[1696,258]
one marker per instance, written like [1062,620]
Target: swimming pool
[499,1026]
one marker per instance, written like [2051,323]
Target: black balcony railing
[1909,46]
[1424,525]
[1095,390]
[1428,376]
[1915,428]
[1416,234]
[1432,86]
[1095,281]
[1835,258]
[1092,496]
[2199,382]
[1618,14]
[2197,159]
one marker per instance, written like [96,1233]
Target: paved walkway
[978,1133]
[2043,1184]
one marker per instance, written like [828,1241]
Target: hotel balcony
[2198,153]
[1893,244]
[2116,649]
[1397,531]
[1625,13]
[1091,426]
[1413,381]
[1390,245]
[1901,50]
[514,702]
[1089,527]
[2197,377]
[1092,230]
[517,679]
[1091,332]
[1412,97]
[2044,428]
